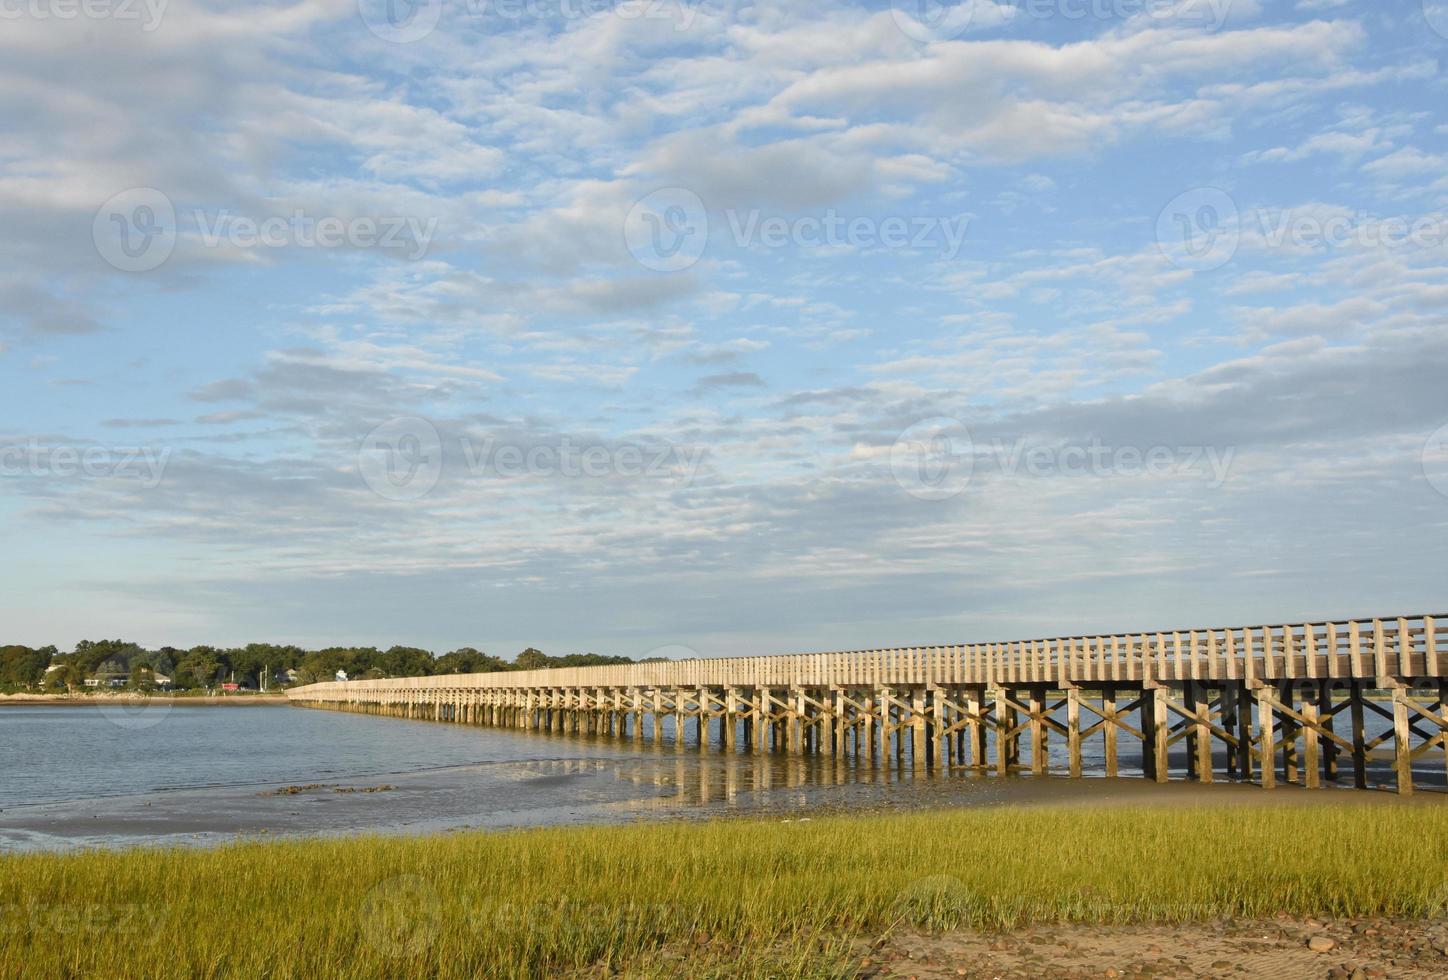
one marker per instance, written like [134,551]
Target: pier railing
[1358,649]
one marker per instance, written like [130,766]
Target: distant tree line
[121,663]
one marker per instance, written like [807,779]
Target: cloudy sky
[728,327]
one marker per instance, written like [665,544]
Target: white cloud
[1061,319]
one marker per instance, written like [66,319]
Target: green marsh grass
[737,897]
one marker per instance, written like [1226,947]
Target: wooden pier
[1265,703]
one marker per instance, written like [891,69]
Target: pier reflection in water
[667,779]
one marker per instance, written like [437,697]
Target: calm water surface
[112,775]
[52,754]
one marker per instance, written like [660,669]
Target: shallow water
[58,753]
[176,774]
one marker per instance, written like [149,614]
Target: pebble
[1321,944]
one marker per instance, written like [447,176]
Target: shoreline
[541,795]
[90,700]
[1037,891]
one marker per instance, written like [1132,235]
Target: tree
[202,666]
[356,661]
[531,659]
[90,654]
[198,667]
[588,660]
[60,679]
[466,660]
[407,662]
[22,667]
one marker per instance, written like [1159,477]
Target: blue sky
[732,328]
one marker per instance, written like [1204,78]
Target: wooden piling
[1073,732]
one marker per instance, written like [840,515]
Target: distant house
[104,681]
[286,676]
[53,668]
[112,673]
[229,686]
[161,681]
[341,675]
